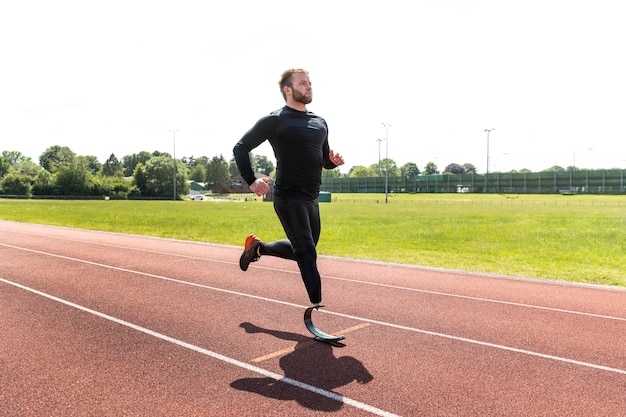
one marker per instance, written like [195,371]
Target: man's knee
[306,254]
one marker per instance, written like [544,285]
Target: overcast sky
[105,77]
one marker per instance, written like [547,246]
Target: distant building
[239,185]
[197,186]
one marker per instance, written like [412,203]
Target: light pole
[387,126]
[174,158]
[379,140]
[488,130]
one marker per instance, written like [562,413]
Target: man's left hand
[335,158]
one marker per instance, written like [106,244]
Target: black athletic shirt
[300,143]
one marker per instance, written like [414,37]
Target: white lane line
[486,300]
[354,281]
[299,384]
[382,323]
[491,345]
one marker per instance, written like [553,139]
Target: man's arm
[331,159]
[259,133]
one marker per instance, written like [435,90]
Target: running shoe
[250,252]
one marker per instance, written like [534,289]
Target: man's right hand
[260,186]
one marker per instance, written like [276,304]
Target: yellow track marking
[305,344]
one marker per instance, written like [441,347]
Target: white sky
[106,77]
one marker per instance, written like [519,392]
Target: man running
[300,142]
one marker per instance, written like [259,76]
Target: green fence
[567,182]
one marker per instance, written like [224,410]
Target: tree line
[409,170]
[61,172]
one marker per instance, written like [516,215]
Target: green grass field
[578,238]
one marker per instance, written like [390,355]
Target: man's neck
[296,105]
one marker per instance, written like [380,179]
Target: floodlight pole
[174,158]
[488,130]
[379,140]
[387,126]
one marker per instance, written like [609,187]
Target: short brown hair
[285,79]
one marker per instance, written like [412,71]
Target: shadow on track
[311,363]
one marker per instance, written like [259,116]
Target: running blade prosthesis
[319,334]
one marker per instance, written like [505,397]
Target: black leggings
[301,221]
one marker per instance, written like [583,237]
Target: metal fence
[566,182]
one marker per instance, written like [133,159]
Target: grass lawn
[576,238]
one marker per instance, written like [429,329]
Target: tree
[13,157]
[112,167]
[379,169]
[263,164]
[15,183]
[55,157]
[129,162]
[74,179]
[159,173]
[27,166]
[115,185]
[5,166]
[202,161]
[469,168]
[91,163]
[193,162]
[555,168]
[217,175]
[361,171]
[259,163]
[409,170]
[331,173]
[198,173]
[389,164]
[232,167]
[44,183]
[140,180]
[431,169]
[189,162]
[455,169]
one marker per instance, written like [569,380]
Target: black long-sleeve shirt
[300,143]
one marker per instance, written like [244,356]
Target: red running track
[101,324]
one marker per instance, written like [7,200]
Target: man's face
[302,92]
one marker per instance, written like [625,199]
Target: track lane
[393,357]
[502,323]
[523,327]
[527,292]
[113,370]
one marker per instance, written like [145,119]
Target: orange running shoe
[250,252]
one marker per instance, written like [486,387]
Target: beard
[301,98]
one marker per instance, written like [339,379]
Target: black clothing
[300,143]
[301,221]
